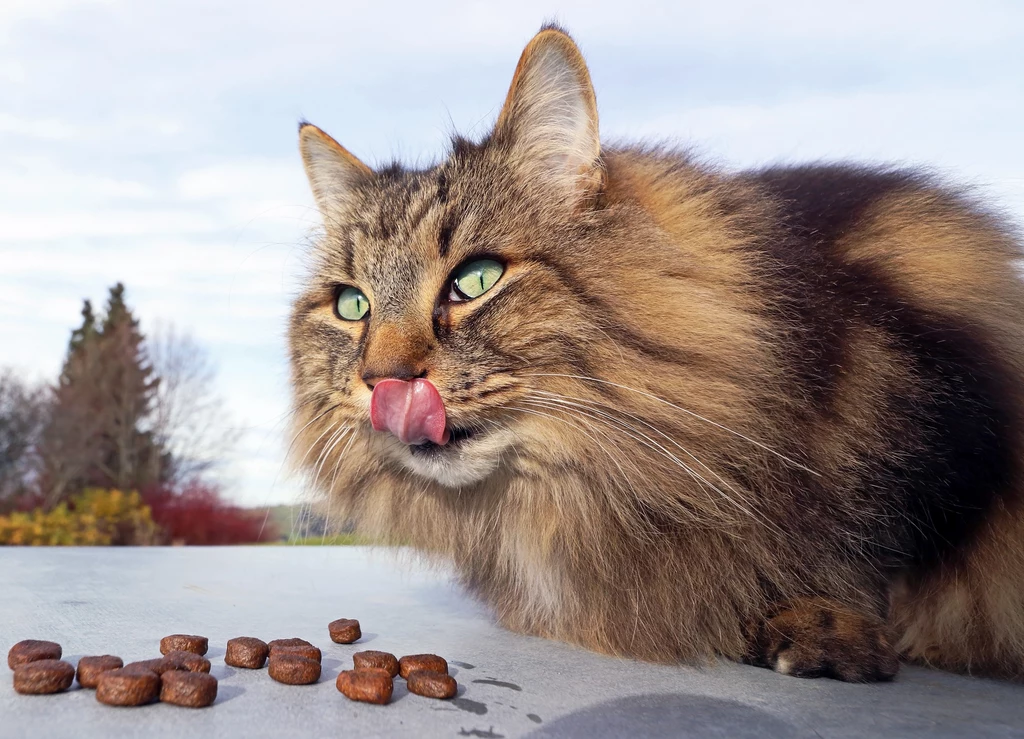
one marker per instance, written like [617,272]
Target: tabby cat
[670,412]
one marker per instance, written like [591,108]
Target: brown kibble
[129,686]
[369,686]
[288,643]
[184,643]
[292,669]
[431,684]
[159,665]
[187,661]
[372,659]
[32,650]
[247,652]
[189,689]
[43,676]
[303,650]
[421,662]
[90,668]
[344,630]
[175,660]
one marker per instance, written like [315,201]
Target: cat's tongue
[412,411]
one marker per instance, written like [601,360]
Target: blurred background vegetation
[122,448]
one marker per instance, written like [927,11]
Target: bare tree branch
[23,410]
[189,418]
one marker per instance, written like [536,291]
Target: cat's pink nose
[412,411]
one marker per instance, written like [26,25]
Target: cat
[670,412]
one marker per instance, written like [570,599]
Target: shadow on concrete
[227,693]
[669,715]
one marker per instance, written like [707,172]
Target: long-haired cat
[670,412]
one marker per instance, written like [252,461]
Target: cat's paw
[816,637]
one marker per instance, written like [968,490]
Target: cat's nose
[372,375]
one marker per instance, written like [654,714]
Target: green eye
[352,304]
[475,278]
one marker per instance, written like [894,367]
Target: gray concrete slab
[121,601]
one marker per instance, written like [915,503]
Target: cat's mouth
[468,456]
[414,414]
[456,438]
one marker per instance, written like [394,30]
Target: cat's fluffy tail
[968,616]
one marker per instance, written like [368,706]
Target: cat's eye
[352,305]
[474,278]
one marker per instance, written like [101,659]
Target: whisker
[330,487]
[303,506]
[328,448]
[295,437]
[600,446]
[315,442]
[697,477]
[331,443]
[645,441]
[699,417]
[638,419]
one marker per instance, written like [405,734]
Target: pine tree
[97,432]
[84,332]
[130,457]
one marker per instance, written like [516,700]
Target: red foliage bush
[198,515]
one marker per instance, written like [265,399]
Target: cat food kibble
[368,686]
[189,689]
[185,643]
[292,669]
[371,659]
[288,643]
[128,686]
[174,660]
[431,684]
[31,650]
[344,630]
[421,662]
[159,665]
[303,650]
[90,668]
[188,661]
[42,676]
[247,652]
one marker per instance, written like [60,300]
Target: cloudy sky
[154,142]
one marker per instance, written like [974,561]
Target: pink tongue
[412,411]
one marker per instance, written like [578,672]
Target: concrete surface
[121,601]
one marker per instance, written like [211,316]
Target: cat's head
[481,314]
[456,274]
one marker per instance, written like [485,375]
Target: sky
[154,142]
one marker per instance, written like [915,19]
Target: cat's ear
[333,172]
[549,119]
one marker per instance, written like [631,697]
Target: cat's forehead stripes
[394,254]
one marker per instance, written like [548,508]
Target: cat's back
[934,242]
[907,231]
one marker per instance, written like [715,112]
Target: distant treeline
[128,413]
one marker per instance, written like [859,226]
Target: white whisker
[638,419]
[651,444]
[600,446]
[699,417]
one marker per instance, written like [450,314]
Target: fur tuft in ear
[332,171]
[549,119]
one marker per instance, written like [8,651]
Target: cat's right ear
[333,171]
[549,120]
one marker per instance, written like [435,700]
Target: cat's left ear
[333,172]
[549,120]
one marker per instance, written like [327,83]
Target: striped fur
[696,396]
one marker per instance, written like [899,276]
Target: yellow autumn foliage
[94,518]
